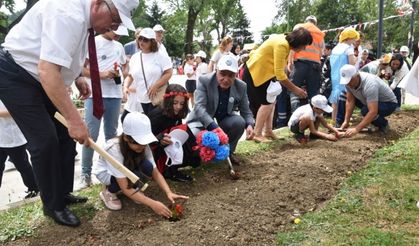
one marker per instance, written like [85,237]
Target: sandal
[261,139]
[271,136]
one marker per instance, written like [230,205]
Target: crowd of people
[290,80]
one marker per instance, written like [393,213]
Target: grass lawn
[376,206]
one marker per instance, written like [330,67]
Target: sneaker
[111,200]
[85,181]
[384,130]
[31,193]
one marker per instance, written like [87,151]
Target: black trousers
[20,159]
[51,148]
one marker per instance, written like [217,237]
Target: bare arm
[53,84]
[352,59]
[167,74]
[4,113]
[211,66]
[295,89]
[139,197]
[350,104]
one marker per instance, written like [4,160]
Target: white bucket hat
[174,151]
[274,89]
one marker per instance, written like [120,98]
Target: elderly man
[371,94]
[41,56]
[220,97]
[306,70]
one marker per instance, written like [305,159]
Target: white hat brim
[344,81]
[327,109]
[126,21]
[145,139]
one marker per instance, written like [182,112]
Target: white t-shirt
[154,66]
[108,52]
[305,110]
[55,31]
[104,170]
[162,49]
[189,69]
[201,69]
[217,56]
[10,134]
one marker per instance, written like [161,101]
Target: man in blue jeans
[112,61]
[371,94]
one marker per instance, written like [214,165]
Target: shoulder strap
[142,69]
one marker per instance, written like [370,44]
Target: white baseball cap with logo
[158,28]
[274,89]
[346,73]
[228,62]
[320,101]
[138,126]
[126,9]
[147,33]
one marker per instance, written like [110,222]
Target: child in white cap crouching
[132,150]
[310,116]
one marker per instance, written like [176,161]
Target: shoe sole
[102,197]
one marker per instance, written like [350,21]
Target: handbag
[158,98]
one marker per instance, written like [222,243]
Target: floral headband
[176,93]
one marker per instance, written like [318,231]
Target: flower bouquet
[212,145]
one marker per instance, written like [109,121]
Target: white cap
[320,101]
[121,31]
[228,62]
[126,9]
[365,51]
[346,73]
[274,89]
[158,28]
[174,151]
[148,33]
[311,18]
[404,48]
[138,126]
[201,54]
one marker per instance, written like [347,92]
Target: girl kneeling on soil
[131,148]
[310,116]
[164,121]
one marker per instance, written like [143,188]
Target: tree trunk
[192,15]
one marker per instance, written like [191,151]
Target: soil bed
[273,187]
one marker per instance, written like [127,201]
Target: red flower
[207,154]
[221,135]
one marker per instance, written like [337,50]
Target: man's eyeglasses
[143,39]
[116,21]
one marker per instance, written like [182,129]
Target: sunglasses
[143,39]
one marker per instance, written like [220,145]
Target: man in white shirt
[42,55]
[112,61]
[159,30]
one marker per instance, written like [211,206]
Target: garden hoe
[116,164]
